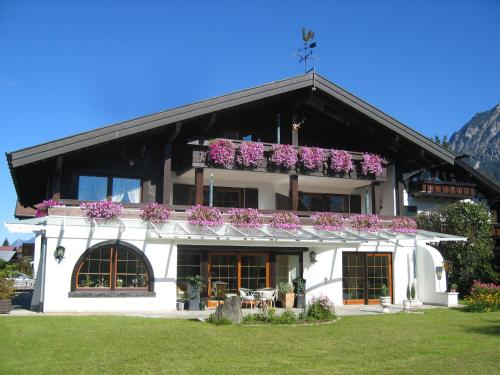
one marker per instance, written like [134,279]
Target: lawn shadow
[493,330]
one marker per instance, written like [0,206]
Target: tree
[443,141]
[472,259]
[5,242]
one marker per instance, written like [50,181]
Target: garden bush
[320,308]
[483,297]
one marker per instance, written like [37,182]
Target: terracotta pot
[287,300]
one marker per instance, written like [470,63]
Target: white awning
[178,229]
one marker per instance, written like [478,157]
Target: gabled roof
[491,186]
[315,81]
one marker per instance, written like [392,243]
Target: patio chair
[267,295]
[248,296]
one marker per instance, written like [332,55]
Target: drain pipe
[43,258]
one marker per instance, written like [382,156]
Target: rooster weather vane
[306,52]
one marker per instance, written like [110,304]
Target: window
[96,188]
[92,188]
[323,202]
[112,268]
[287,268]
[223,196]
[126,190]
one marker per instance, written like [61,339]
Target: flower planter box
[286,300]
[5,306]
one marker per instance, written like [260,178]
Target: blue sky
[71,66]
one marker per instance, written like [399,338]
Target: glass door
[253,271]
[363,275]
[224,267]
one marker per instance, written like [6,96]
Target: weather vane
[306,52]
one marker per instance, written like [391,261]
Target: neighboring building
[135,266]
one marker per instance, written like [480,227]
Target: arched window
[118,267]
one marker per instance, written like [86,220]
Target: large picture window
[323,202]
[99,188]
[112,267]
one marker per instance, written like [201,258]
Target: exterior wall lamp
[59,253]
[312,257]
[439,272]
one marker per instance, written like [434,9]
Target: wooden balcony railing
[200,160]
[442,189]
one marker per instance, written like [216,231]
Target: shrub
[285,220]
[472,259]
[43,209]
[245,217]
[384,291]
[201,215]
[218,322]
[328,221]
[403,225]
[101,212]
[250,154]
[6,288]
[371,164]
[320,308]
[268,316]
[283,156]
[311,158]
[221,152]
[287,317]
[364,222]
[483,297]
[155,213]
[299,285]
[285,287]
[341,161]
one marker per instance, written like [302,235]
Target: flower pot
[5,306]
[180,305]
[385,302]
[286,300]
[300,301]
[407,304]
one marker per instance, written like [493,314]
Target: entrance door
[363,275]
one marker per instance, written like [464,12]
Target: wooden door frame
[366,301]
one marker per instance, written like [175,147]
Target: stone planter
[385,302]
[300,301]
[406,304]
[194,298]
[286,300]
[5,306]
[180,305]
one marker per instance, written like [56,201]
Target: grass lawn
[439,341]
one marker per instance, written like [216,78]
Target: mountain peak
[480,138]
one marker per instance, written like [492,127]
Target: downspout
[43,259]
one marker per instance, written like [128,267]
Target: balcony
[200,159]
[431,188]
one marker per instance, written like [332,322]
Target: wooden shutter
[355,204]
[251,198]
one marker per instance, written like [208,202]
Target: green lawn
[439,341]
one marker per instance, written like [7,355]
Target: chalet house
[130,264]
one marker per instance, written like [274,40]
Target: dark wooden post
[294,192]
[375,203]
[399,187]
[167,173]
[198,186]
[56,180]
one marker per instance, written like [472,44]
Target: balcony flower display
[311,158]
[155,213]
[43,209]
[285,220]
[283,156]
[363,222]
[341,161]
[403,225]
[102,212]
[221,152]
[202,215]
[245,217]
[328,221]
[250,154]
[371,164]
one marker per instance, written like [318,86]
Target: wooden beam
[375,203]
[167,173]
[294,192]
[198,186]
[56,180]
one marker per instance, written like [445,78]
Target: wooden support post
[167,173]
[56,180]
[375,205]
[198,186]
[294,192]
[399,190]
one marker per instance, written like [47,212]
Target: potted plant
[407,301]
[285,220]
[283,157]
[195,284]
[299,285]
[221,152]
[286,295]
[341,162]
[6,293]
[385,299]
[311,159]
[453,288]
[371,165]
